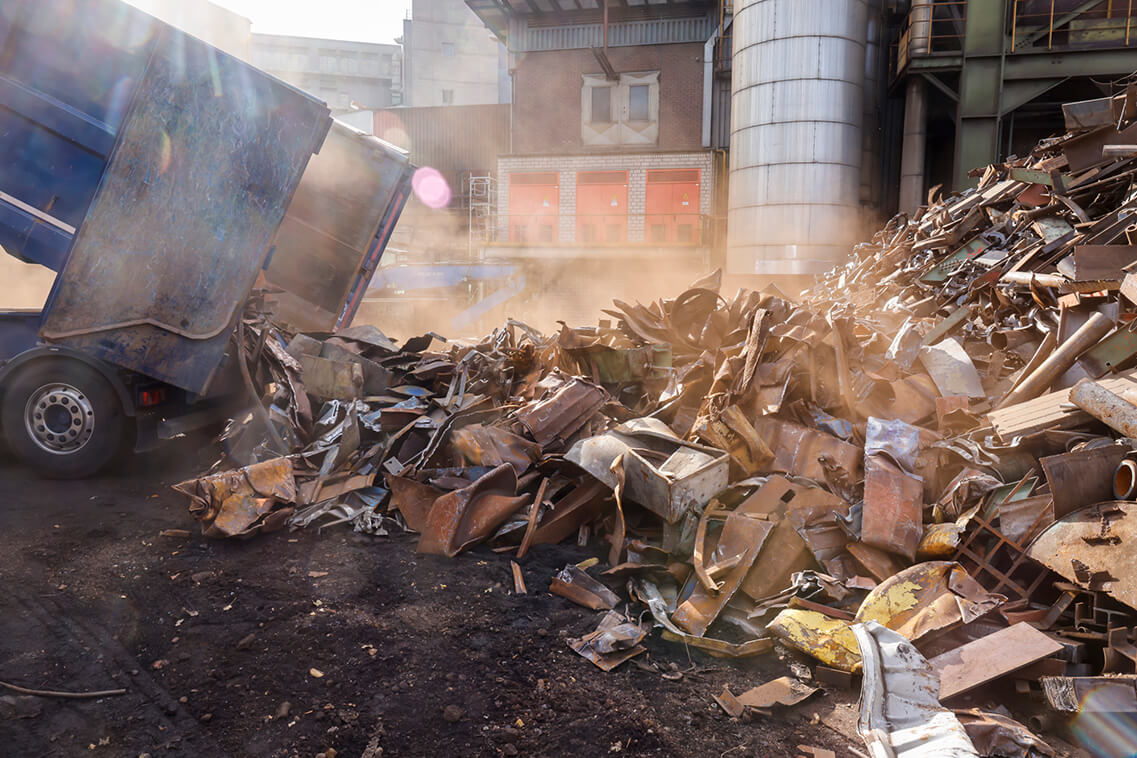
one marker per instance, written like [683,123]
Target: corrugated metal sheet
[451,138]
[659,31]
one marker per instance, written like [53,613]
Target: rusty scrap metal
[893,509]
[722,451]
[1112,410]
[1060,360]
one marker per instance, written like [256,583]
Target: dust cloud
[573,291]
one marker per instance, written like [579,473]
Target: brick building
[608,156]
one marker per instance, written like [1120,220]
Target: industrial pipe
[1030,277]
[1091,332]
[1112,410]
[1125,480]
[914,146]
[920,28]
[915,143]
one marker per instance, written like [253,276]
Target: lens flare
[431,188]
[1102,726]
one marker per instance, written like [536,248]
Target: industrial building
[607,158]
[450,58]
[349,76]
[770,135]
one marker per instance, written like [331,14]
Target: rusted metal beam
[1060,360]
[1112,410]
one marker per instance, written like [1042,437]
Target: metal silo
[796,147]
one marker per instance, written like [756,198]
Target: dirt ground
[216,642]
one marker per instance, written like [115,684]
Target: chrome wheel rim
[59,418]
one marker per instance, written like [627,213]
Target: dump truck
[164,181]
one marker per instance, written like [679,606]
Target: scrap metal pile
[921,471]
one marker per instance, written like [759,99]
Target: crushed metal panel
[231,503]
[331,380]
[575,584]
[995,734]
[951,369]
[988,658]
[927,597]
[1082,478]
[469,515]
[784,554]
[785,690]
[563,413]
[797,449]
[1091,694]
[492,446]
[1093,548]
[893,509]
[1022,519]
[580,506]
[732,431]
[615,640]
[827,639]
[412,499]
[742,537]
[1115,352]
[901,716]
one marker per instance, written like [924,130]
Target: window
[638,102]
[447,97]
[601,105]
[620,112]
[447,49]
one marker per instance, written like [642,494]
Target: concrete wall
[547,107]
[469,67]
[338,72]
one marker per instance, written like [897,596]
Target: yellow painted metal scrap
[829,640]
[921,599]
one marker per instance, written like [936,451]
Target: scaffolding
[482,194]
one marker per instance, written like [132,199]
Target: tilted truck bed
[158,175]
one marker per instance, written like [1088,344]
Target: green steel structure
[990,58]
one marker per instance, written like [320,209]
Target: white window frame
[621,130]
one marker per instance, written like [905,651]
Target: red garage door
[671,207]
[534,200]
[601,207]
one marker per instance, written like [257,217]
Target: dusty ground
[214,642]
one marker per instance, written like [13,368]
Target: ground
[294,643]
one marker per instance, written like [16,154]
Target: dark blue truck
[162,180]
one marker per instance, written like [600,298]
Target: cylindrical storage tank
[795,155]
[874,92]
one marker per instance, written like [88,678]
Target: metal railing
[1066,24]
[932,29]
[604,229]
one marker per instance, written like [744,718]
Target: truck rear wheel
[62,418]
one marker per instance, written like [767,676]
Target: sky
[357,20]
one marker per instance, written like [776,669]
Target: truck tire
[62,418]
